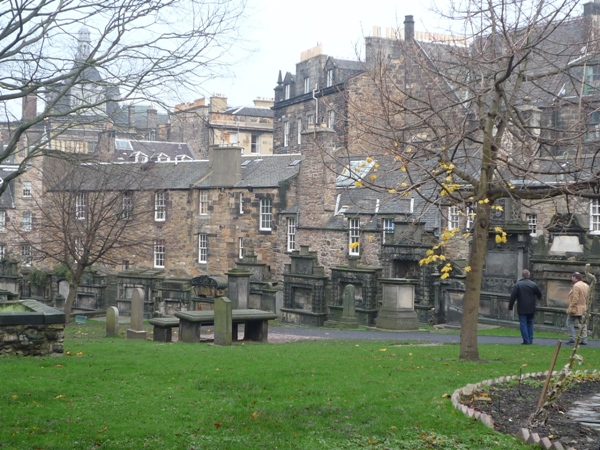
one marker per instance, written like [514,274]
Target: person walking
[525,292]
[577,307]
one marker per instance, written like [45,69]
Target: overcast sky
[279,30]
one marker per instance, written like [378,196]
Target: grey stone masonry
[136,331]
[223,325]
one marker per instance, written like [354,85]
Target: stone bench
[256,324]
[162,328]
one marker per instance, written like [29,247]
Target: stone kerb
[524,434]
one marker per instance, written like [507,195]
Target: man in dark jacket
[525,292]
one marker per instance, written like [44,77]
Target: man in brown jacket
[577,307]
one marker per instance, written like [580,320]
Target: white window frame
[286,133]
[255,143]
[26,189]
[532,223]
[160,206]
[287,89]
[159,253]
[203,248]
[80,206]
[2,220]
[330,118]
[329,76]
[203,203]
[291,234]
[26,255]
[127,211]
[354,236]
[594,216]
[266,214]
[299,125]
[388,228]
[26,221]
[306,85]
[453,217]
[241,203]
[470,217]
[241,248]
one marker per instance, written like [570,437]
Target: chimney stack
[409,28]
[29,106]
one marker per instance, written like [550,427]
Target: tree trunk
[73,286]
[70,300]
[468,324]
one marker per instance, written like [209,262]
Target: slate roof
[375,198]
[263,171]
[252,111]
[266,171]
[127,150]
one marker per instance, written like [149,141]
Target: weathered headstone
[136,329]
[112,321]
[348,319]
[349,313]
[223,325]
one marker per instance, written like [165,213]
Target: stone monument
[223,324]
[348,319]
[112,321]
[136,330]
[398,309]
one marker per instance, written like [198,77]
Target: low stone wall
[32,340]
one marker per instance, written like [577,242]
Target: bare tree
[71,63]
[90,214]
[501,112]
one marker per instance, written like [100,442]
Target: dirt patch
[274,338]
[511,406]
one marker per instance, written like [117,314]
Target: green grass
[111,393]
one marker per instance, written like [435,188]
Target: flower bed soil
[510,407]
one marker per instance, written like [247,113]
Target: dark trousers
[526,325]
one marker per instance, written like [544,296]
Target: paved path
[423,336]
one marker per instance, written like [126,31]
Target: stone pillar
[238,288]
[112,321]
[398,309]
[136,329]
[223,325]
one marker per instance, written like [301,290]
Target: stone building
[312,96]
[202,125]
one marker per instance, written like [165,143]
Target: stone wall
[32,340]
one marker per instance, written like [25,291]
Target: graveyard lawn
[114,393]
[511,405]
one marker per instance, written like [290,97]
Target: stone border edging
[523,434]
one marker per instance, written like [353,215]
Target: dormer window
[286,92]
[140,157]
[329,77]
[306,85]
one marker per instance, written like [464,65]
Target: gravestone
[223,325]
[398,308]
[112,321]
[136,329]
[348,319]
[238,288]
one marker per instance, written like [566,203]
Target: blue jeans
[573,321]
[526,325]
